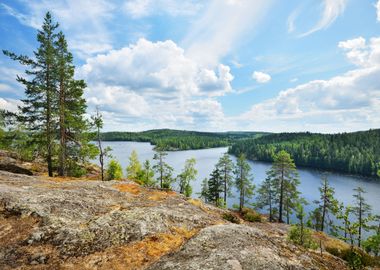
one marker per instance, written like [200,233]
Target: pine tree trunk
[62,154]
[48,123]
[225,186]
[324,206]
[360,224]
[281,196]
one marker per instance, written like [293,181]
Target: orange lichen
[160,195]
[139,255]
[130,188]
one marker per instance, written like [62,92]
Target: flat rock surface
[83,224]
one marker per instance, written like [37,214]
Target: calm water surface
[207,158]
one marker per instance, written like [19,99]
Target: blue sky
[216,65]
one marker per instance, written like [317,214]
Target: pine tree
[188,174]
[204,194]
[146,176]
[362,211]
[134,166]
[327,204]
[163,169]
[226,166]
[215,187]
[284,175]
[73,128]
[243,181]
[39,106]
[114,170]
[265,198]
[349,228]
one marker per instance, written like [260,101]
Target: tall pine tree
[38,109]
[226,166]
[243,181]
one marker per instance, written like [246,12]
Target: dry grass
[130,188]
[330,242]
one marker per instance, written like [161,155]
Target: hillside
[353,153]
[81,224]
[169,139]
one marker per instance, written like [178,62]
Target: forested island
[171,140]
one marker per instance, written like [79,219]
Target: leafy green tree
[265,198]
[372,243]
[226,166]
[103,152]
[348,226]
[327,204]
[163,169]
[204,194]
[362,211]
[114,170]
[188,174]
[39,106]
[134,166]
[284,176]
[243,180]
[299,233]
[146,175]
[215,187]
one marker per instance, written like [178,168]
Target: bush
[114,170]
[301,237]
[231,218]
[251,215]
[356,258]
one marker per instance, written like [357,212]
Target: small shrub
[356,258]
[114,170]
[188,191]
[251,215]
[302,237]
[231,218]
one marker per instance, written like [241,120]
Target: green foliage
[188,174]
[163,169]
[283,177]
[134,166]
[243,181]
[372,244]
[114,170]
[168,140]
[215,187]
[204,194]
[362,211]
[266,198]
[231,218]
[146,175]
[354,153]
[226,166]
[251,215]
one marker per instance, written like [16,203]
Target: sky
[212,65]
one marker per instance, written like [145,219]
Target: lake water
[207,158]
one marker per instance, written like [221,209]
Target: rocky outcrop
[84,224]
[11,163]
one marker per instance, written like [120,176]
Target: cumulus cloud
[221,27]
[346,102]
[378,10]
[9,104]
[261,77]
[155,80]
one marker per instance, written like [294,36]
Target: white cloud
[293,80]
[346,102]
[83,20]
[261,77]
[332,9]
[143,8]
[220,28]
[9,104]
[157,83]
[378,10]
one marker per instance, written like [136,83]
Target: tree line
[171,140]
[353,153]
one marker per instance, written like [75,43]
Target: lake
[207,158]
